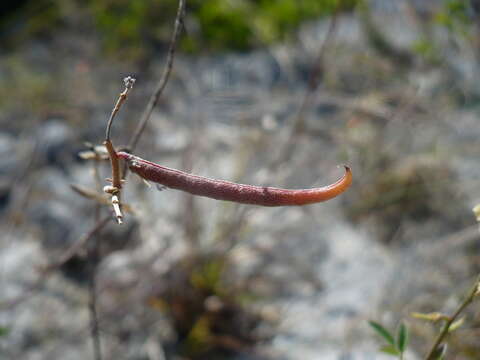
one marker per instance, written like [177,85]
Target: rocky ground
[402,239]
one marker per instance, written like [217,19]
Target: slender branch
[163,80]
[92,306]
[129,82]
[313,82]
[93,256]
[114,189]
[116,179]
[75,248]
[316,73]
[474,292]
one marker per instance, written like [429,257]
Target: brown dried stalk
[129,82]
[114,188]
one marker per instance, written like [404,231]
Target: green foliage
[208,276]
[427,50]
[136,27]
[384,333]
[3,331]
[224,24]
[402,338]
[456,325]
[396,345]
[274,19]
[457,17]
[454,14]
[214,24]
[128,26]
[204,305]
[31,86]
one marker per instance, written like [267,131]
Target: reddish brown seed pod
[229,191]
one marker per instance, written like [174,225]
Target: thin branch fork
[116,181]
[114,189]
[473,293]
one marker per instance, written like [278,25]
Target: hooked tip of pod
[347,178]
[348,170]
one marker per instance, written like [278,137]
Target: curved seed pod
[226,190]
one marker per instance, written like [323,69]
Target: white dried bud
[129,81]
[109,189]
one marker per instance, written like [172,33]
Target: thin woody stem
[114,190]
[116,179]
[75,248]
[313,83]
[446,327]
[162,83]
[129,82]
[93,256]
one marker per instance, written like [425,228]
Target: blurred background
[266,92]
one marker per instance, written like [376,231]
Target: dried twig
[162,83]
[316,74]
[92,306]
[93,256]
[79,244]
[314,80]
[129,82]
[114,189]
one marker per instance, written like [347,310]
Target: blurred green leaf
[433,316]
[390,350]
[380,330]
[4,331]
[456,324]
[402,338]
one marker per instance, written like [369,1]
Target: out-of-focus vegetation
[397,187]
[395,345]
[459,17]
[209,315]
[135,27]
[456,15]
